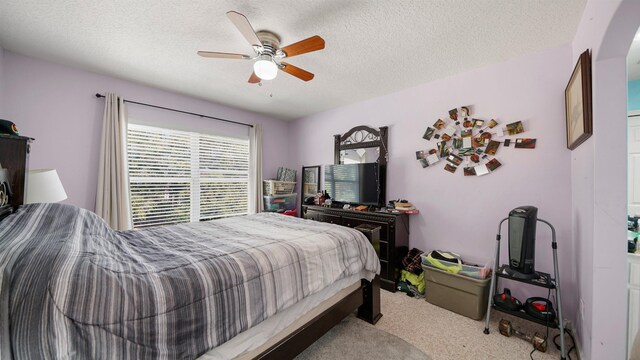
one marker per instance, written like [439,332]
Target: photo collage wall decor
[470,143]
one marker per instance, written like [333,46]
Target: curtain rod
[98,95]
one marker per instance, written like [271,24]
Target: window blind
[177,176]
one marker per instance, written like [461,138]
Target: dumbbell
[537,340]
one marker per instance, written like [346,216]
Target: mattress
[70,287]
[251,343]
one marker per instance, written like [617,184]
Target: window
[177,176]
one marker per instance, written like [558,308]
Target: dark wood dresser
[394,235]
[14,156]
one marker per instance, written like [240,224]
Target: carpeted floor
[356,339]
[438,333]
[443,334]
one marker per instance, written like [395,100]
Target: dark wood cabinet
[394,235]
[329,218]
[14,156]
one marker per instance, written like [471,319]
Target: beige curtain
[255,169]
[112,198]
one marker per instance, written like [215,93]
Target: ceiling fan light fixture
[265,68]
[266,45]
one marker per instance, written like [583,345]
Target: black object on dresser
[394,235]
[14,156]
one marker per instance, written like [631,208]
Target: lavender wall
[461,213]
[598,171]
[56,105]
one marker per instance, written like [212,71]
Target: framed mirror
[364,144]
[361,144]
[310,183]
[360,155]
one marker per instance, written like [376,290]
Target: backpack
[445,260]
[412,261]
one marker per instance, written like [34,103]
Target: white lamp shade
[44,186]
[265,68]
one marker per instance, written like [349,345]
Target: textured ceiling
[372,47]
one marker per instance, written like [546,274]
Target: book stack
[406,207]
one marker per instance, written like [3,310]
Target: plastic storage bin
[460,294]
[280,203]
[275,187]
[480,272]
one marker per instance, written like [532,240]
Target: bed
[257,286]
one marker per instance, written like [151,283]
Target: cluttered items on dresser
[402,206]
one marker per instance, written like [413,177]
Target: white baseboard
[578,347]
[574,332]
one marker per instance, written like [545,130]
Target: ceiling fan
[268,53]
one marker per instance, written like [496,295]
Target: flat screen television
[354,183]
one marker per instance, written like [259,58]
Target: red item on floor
[290,212]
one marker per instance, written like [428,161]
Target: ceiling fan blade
[211,54]
[254,79]
[241,22]
[313,43]
[297,72]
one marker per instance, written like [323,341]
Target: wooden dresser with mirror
[364,144]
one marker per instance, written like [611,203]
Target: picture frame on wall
[577,97]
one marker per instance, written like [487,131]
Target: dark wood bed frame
[366,298]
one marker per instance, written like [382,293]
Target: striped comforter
[70,287]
